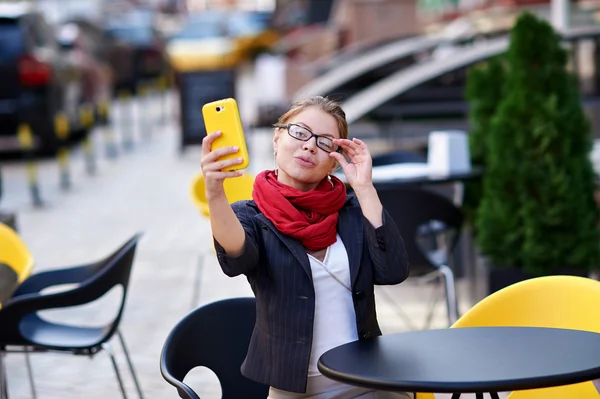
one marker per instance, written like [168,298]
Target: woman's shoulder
[246,208]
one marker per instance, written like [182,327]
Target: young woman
[311,253]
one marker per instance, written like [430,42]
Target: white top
[335,320]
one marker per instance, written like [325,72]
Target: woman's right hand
[211,165]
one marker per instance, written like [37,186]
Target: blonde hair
[332,107]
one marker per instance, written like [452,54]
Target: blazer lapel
[350,228]
[293,245]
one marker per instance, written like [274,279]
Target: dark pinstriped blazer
[278,270]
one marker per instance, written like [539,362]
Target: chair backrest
[236,189]
[552,301]
[412,208]
[215,336]
[93,281]
[15,253]
[114,270]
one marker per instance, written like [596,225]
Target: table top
[479,359]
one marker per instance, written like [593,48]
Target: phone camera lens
[219,109]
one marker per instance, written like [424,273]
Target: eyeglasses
[301,133]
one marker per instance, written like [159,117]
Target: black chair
[430,225]
[215,336]
[22,327]
[394,157]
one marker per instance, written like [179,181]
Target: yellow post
[86,118]
[25,137]
[103,112]
[61,127]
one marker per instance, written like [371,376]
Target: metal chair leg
[3,379]
[135,379]
[30,372]
[197,279]
[451,300]
[109,350]
[431,307]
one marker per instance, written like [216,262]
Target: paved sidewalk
[144,190]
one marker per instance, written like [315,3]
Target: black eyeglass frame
[287,127]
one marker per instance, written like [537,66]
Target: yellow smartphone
[223,115]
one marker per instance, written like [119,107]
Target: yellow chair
[422,395]
[553,301]
[16,261]
[236,189]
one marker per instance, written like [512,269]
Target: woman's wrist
[364,191]
[370,204]
[216,196]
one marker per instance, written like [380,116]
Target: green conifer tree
[538,210]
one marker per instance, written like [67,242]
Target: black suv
[36,82]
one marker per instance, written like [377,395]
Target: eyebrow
[309,128]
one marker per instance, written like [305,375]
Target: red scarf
[310,217]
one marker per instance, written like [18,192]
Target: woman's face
[302,164]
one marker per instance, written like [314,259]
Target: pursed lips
[305,161]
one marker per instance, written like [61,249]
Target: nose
[310,145]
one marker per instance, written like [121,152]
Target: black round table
[467,360]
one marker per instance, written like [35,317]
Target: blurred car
[36,82]
[137,49]
[220,40]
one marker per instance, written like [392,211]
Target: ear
[333,167]
[275,139]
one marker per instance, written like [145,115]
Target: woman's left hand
[359,170]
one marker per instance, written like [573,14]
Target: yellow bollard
[103,112]
[61,127]
[86,119]
[25,137]
[86,115]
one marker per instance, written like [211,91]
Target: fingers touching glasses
[302,133]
